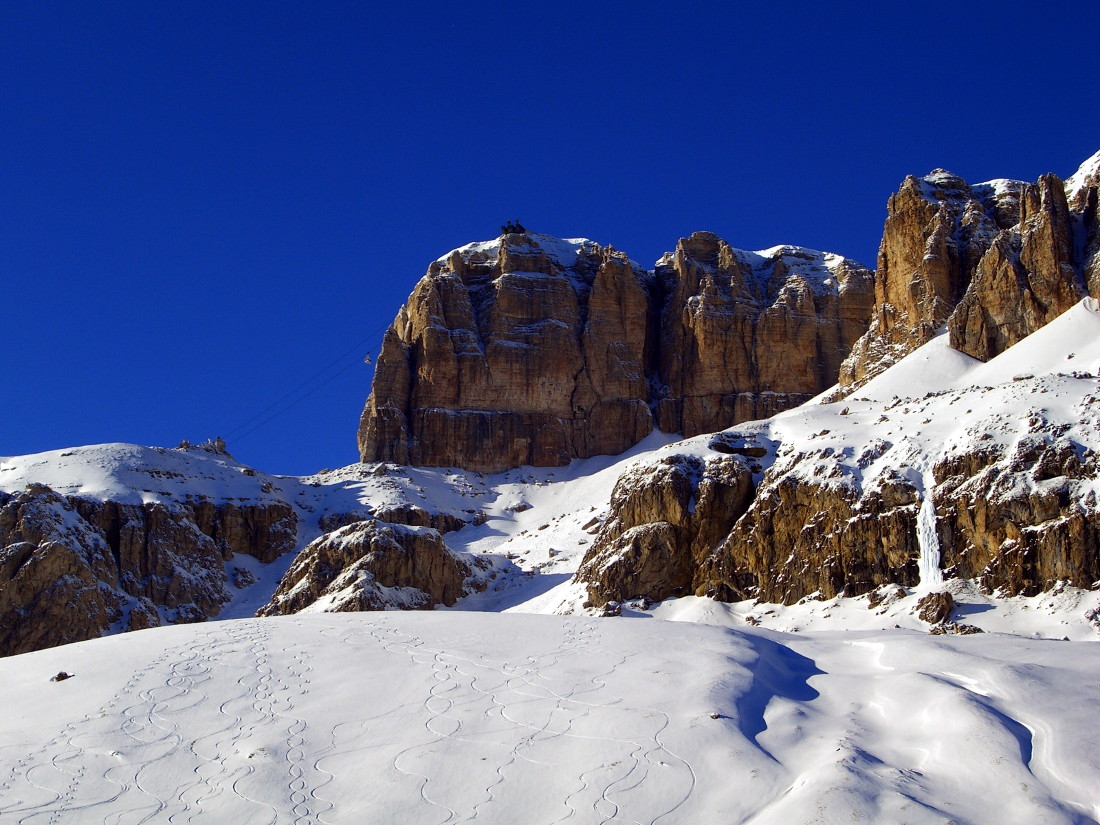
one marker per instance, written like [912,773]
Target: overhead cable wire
[303,390]
[263,423]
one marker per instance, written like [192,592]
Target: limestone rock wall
[533,350]
[1020,520]
[1016,524]
[514,354]
[371,565]
[1031,273]
[745,335]
[71,568]
[993,262]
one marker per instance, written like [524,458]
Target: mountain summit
[529,349]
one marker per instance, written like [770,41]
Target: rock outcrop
[52,567]
[1031,273]
[73,568]
[534,350]
[745,335]
[993,262]
[665,519]
[994,483]
[370,565]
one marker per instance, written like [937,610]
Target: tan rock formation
[72,567]
[533,350]
[746,335]
[935,608]
[800,538]
[529,350]
[1021,522]
[993,262]
[1027,278]
[665,519]
[937,229]
[370,565]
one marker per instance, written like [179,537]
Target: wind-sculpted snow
[434,718]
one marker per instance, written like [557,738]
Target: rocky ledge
[371,565]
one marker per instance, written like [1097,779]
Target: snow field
[462,717]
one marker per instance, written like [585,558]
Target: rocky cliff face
[73,568]
[533,350]
[745,335]
[529,350]
[985,475]
[1031,273]
[993,262]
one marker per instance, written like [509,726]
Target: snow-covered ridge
[939,182]
[818,269]
[1088,171]
[937,400]
[998,187]
[563,251]
[132,474]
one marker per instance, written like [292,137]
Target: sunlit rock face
[74,568]
[992,262]
[534,350]
[525,350]
[745,335]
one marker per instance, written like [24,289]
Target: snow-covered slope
[444,717]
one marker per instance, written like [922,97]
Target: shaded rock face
[802,538]
[72,568]
[51,567]
[263,531]
[1020,521]
[533,350]
[370,565]
[993,262]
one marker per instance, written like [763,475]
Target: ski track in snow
[526,718]
[449,718]
[137,746]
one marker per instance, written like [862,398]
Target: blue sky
[211,211]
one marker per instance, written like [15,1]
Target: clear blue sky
[205,205]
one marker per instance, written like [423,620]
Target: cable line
[240,437]
[279,406]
